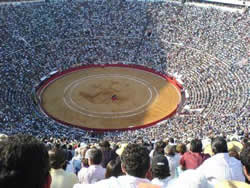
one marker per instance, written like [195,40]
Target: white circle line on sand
[137,80]
[77,82]
[105,117]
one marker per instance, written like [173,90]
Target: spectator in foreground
[107,153]
[245,160]
[171,141]
[160,171]
[194,158]
[60,178]
[135,163]
[221,166]
[181,149]
[24,162]
[173,160]
[158,149]
[114,168]
[77,161]
[189,179]
[95,172]
[85,163]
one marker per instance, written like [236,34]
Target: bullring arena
[109,97]
[56,78]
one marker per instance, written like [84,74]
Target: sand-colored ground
[84,98]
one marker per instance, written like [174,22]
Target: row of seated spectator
[27,162]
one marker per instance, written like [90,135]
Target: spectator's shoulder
[72,176]
[232,184]
[147,185]
[111,182]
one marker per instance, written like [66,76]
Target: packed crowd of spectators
[209,47]
[27,162]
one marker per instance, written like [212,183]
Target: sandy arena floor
[104,98]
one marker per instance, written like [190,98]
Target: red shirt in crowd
[192,160]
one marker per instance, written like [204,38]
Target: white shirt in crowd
[221,167]
[173,162]
[92,174]
[162,182]
[69,167]
[62,179]
[125,181]
[189,179]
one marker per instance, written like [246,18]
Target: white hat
[3,137]
[83,144]
[121,149]
[87,154]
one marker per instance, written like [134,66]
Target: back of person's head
[159,148]
[196,145]
[160,167]
[57,158]
[234,153]
[104,144]
[114,168]
[171,140]
[181,148]
[219,145]
[94,156]
[24,162]
[69,155]
[170,150]
[245,160]
[77,152]
[245,141]
[160,144]
[135,160]
[84,159]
